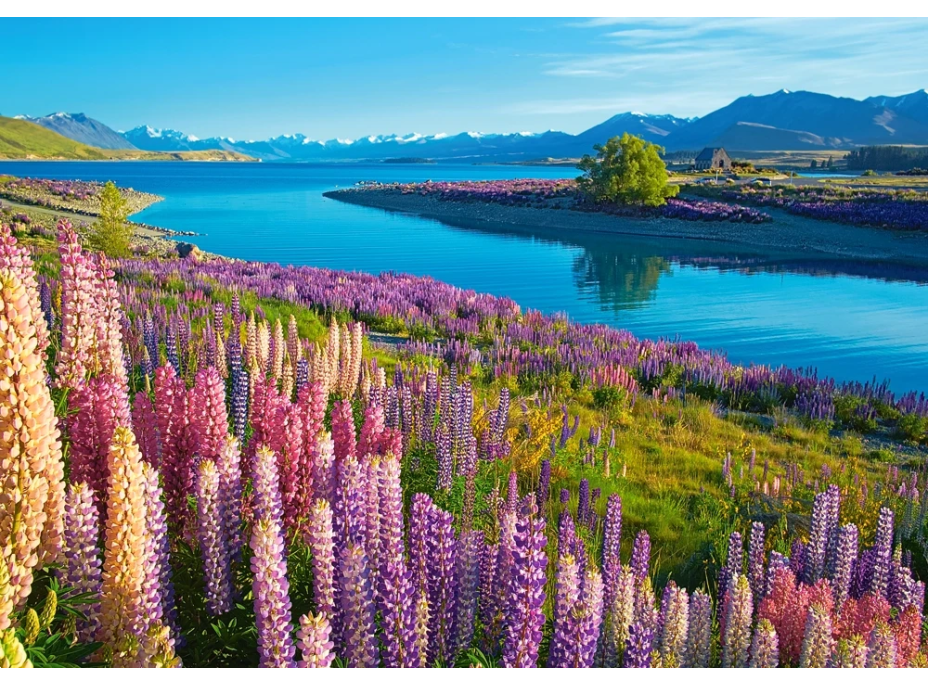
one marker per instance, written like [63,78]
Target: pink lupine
[858,616]
[786,605]
[145,426]
[210,417]
[96,411]
[343,432]
[79,310]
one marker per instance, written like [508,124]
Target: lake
[851,321]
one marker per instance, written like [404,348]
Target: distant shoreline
[787,232]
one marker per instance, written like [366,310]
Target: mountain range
[784,120]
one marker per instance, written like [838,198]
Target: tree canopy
[111,232]
[628,170]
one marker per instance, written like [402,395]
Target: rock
[188,251]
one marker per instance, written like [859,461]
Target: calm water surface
[851,321]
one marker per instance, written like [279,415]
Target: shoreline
[787,233]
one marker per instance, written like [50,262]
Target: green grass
[23,140]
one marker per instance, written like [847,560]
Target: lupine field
[224,463]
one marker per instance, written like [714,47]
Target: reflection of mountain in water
[623,270]
[622,279]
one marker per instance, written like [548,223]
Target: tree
[628,170]
[111,232]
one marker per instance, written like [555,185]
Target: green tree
[628,170]
[111,232]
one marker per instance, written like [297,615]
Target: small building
[713,158]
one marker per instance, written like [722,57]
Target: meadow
[211,464]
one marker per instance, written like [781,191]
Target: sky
[328,78]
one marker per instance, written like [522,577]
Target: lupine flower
[699,635]
[638,647]
[882,552]
[881,648]
[211,421]
[544,484]
[211,533]
[675,624]
[78,310]
[313,641]
[357,608]
[159,584]
[765,650]
[12,652]
[321,543]
[733,563]
[228,464]
[566,598]
[786,605]
[122,608]
[271,591]
[849,653]
[846,557]
[817,643]
[756,560]
[31,469]
[442,553]
[736,638]
[467,577]
[641,555]
[145,427]
[525,616]
[82,554]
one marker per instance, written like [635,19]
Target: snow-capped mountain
[81,128]
[783,120]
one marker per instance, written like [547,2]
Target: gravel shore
[785,233]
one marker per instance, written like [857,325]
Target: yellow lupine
[12,653]
[121,602]
[31,467]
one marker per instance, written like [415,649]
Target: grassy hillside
[23,140]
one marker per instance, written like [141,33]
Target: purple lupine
[846,559]
[312,638]
[618,619]
[641,555]
[584,622]
[269,565]
[756,572]
[348,509]
[395,597]
[320,538]
[765,647]
[583,503]
[675,614]
[526,598]
[229,466]
[816,551]
[700,631]
[832,527]
[357,608]
[733,563]
[544,484]
[239,396]
[566,599]
[214,548]
[881,647]
[82,571]
[470,547]
[488,605]
[159,586]
[736,639]
[150,342]
[442,590]
[445,458]
[817,641]
[45,302]
[882,552]
[638,647]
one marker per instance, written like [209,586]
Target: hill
[81,128]
[24,140]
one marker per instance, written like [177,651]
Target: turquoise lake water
[851,321]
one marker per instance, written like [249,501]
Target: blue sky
[348,78]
